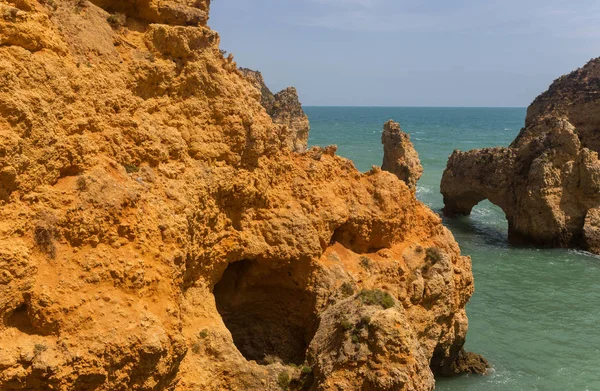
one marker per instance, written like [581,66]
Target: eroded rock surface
[591,230]
[399,155]
[548,179]
[285,109]
[156,233]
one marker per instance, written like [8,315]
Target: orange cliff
[157,232]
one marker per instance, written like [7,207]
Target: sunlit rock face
[548,180]
[157,232]
[399,155]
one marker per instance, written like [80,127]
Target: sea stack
[547,181]
[157,232]
[399,155]
[285,109]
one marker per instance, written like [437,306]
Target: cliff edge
[157,232]
[548,180]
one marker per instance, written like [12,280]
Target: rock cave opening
[19,319]
[269,308]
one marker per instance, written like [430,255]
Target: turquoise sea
[535,314]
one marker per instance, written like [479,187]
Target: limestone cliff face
[548,179]
[285,109]
[399,155]
[157,234]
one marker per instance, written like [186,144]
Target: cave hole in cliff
[19,319]
[269,309]
[349,236]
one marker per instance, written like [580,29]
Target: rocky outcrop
[548,180]
[285,109]
[399,155]
[174,12]
[591,230]
[157,234]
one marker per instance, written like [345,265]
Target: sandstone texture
[285,109]
[548,180]
[399,155]
[157,233]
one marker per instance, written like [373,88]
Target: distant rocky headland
[547,181]
[285,109]
[160,230]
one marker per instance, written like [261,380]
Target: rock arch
[545,182]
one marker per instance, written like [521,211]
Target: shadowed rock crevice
[458,362]
[361,242]
[22,319]
[19,319]
[268,310]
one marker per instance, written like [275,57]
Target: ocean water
[535,314]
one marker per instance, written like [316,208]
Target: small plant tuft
[366,262]
[10,14]
[283,380]
[52,4]
[306,370]
[345,323]
[82,184]
[116,20]
[347,289]
[433,255]
[334,257]
[377,297]
[356,332]
[196,347]
[419,249]
[203,334]
[44,234]
[39,348]
[130,168]
[272,359]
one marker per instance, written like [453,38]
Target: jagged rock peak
[575,97]
[399,155]
[285,109]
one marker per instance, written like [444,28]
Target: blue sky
[410,52]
